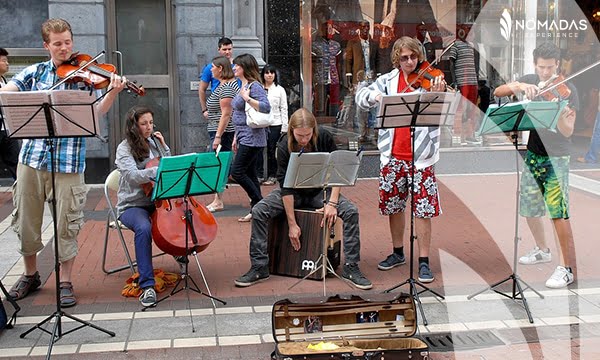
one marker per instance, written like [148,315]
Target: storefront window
[347,44]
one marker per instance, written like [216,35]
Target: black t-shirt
[545,142]
[325,143]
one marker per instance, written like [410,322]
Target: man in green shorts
[545,182]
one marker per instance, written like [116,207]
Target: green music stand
[515,117]
[189,175]
[521,116]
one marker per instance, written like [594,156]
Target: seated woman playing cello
[134,207]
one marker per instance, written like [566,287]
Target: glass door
[141,31]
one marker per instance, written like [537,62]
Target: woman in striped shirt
[218,104]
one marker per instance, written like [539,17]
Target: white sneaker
[560,278]
[535,256]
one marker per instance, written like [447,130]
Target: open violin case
[382,326]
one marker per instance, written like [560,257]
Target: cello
[181,226]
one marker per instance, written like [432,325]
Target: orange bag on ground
[162,280]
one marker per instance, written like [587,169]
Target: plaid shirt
[69,153]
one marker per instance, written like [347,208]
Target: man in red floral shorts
[395,146]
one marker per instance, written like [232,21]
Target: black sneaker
[391,262]
[253,276]
[425,274]
[352,273]
[148,297]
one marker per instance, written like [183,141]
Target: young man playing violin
[395,146]
[545,181]
[134,207]
[33,171]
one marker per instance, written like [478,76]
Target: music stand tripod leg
[514,277]
[411,280]
[195,254]
[185,276]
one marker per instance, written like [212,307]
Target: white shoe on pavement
[535,256]
[560,278]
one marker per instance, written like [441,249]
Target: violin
[94,74]
[422,77]
[554,88]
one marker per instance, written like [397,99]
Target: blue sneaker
[425,274]
[391,262]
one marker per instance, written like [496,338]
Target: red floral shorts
[394,180]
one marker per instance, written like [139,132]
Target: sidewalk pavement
[472,247]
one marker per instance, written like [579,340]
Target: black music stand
[181,177]
[52,115]
[428,109]
[515,117]
[322,170]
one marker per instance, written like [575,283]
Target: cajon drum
[284,260]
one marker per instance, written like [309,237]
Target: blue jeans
[138,220]
[592,154]
[226,140]
[243,171]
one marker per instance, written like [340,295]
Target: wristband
[217,136]
[248,101]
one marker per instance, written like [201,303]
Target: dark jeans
[9,152]
[243,171]
[137,219]
[272,205]
[226,140]
[273,136]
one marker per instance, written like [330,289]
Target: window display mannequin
[360,57]
[464,77]
[326,78]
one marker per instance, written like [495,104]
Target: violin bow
[74,73]
[577,73]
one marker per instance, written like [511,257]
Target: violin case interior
[376,328]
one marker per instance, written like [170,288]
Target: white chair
[112,184]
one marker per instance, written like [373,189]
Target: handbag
[256,119]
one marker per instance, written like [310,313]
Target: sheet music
[306,170]
[319,169]
[345,165]
[17,112]
[76,112]
[400,110]
[72,113]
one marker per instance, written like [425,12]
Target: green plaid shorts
[545,185]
